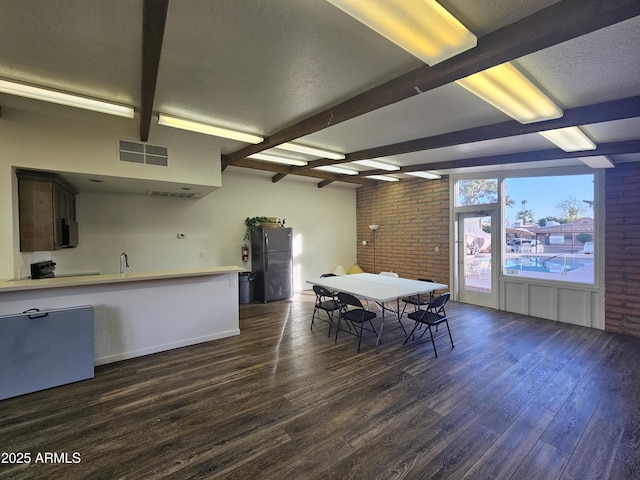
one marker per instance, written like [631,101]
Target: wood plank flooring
[517,398]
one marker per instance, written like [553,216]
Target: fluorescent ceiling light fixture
[423,28]
[378,164]
[67,99]
[274,159]
[335,169]
[181,123]
[507,89]
[429,175]
[385,178]
[599,161]
[569,139]
[319,152]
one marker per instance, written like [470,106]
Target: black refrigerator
[272,263]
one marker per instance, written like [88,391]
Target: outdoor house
[571,236]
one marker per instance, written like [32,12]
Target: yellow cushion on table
[355,269]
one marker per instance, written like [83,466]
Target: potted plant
[252,223]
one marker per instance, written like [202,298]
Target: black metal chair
[325,275]
[327,302]
[418,300]
[354,315]
[431,316]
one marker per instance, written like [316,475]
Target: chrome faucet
[124,262]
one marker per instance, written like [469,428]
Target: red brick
[622,246]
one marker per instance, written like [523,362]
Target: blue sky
[544,193]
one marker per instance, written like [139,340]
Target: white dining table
[380,289]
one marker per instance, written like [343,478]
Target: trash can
[246,287]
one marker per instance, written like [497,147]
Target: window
[550,228]
[477,192]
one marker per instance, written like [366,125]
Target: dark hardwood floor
[517,398]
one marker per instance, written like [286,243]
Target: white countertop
[18,285]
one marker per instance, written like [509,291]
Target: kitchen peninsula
[139,313]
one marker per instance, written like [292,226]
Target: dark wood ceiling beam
[224,162]
[602,112]
[598,113]
[590,114]
[558,23]
[154,18]
[278,176]
[613,148]
[287,170]
[324,183]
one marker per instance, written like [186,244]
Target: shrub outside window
[477,192]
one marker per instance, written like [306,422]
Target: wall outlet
[233,282]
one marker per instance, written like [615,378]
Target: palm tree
[525,214]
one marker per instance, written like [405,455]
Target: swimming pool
[558,264]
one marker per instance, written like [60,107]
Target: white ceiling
[261,66]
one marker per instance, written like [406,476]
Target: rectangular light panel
[315,151]
[60,98]
[385,178]
[421,27]
[569,139]
[339,170]
[599,161]
[378,164]
[428,175]
[222,132]
[275,159]
[507,89]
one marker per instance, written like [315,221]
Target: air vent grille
[144,153]
[155,193]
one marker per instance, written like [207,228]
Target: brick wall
[413,219]
[622,245]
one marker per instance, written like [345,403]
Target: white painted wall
[64,139]
[52,137]
[57,138]
[323,222]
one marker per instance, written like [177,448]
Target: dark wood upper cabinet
[47,210]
